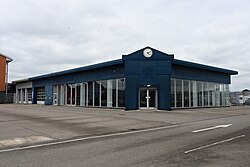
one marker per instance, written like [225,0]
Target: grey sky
[45,36]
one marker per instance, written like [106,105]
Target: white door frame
[148,97]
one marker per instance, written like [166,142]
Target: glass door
[147,98]
[152,98]
[143,98]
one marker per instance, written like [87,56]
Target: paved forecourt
[23,125]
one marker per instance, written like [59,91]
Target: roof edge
[79,69]
[205,67]
[8,59]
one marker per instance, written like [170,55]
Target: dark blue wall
[104,73]
[141,71]
[183,72]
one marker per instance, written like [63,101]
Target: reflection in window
[172,92]
[186,93]
[97,94]
[178,93]
[104,93]
[90,93]
[121,92]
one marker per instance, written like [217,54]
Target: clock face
[147,52]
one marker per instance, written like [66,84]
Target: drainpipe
[6,87]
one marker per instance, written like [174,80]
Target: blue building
[144,79]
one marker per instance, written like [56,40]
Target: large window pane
[78,94]
[199,93]
[178,93]
[104,93]
[186,93]
[90,93]
[217,94]
[205,93]
[73,95]
[194,94]
[97,94]
[121,92]
[172,92]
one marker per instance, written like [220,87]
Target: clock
[147,52]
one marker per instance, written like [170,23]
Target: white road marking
[87,138]
[213,144]
[211,128]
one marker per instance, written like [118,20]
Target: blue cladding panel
[183,72]
[141,71]
[115,71]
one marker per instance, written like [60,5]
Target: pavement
[76,136]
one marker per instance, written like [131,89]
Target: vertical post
[100,94]
[182,93]
[6,78]
[116,93]
[26,96]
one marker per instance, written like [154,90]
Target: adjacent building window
[189,93]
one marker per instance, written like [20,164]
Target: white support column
[100,94]
[26,101]
[87,94]
[189,93]
[66,95]
[182,93]
[21,96]
[116,93]
[17,96]
[109,93]
[195,94]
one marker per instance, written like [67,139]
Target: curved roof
[8,59]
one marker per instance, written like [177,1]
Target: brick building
[4,61]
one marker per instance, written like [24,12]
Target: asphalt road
[173,146]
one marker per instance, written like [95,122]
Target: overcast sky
[44,36]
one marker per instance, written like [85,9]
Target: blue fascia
[204,67]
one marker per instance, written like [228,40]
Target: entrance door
[147,98]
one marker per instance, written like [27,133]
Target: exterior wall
[2,73]
[138,73]
[142,72]
[104,73]
[189,73]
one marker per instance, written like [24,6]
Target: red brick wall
[2,73]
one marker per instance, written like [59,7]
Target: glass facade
[104,93]
[190,93]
